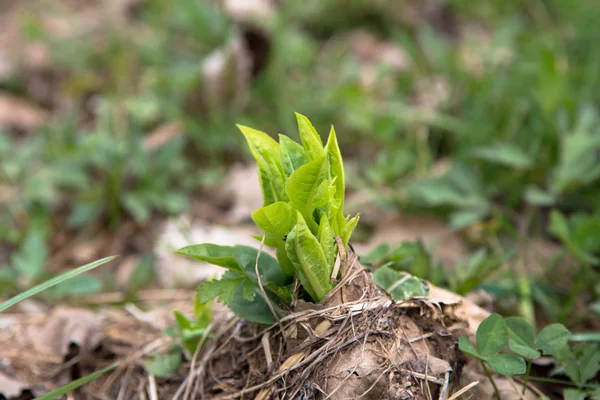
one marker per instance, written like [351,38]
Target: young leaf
[276,221]
[521,337]
[260,144]
[308,257]
[311,141]
[163,365]
[492,335]
[293,156]
[506,365]
[349,227]
[326,239]
[466,347]
[266,187]
[551,338]
[302,187]
[191,332]
[267,154]
[336,168]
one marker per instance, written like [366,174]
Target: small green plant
[303,189]
[503,344]
[190,334]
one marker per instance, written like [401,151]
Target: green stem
[487,373]
[526,378]
[560,382]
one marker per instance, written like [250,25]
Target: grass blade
[77,383]
[54,281]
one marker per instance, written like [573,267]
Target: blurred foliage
[487,116]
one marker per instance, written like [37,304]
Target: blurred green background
[117,114]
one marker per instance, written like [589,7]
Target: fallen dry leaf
[20,114]
[66,326]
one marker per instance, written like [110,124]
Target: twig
[444,391]
[190,379]
[463,390]
[152,394]
[262,289]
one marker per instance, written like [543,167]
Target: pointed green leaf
[267,154]
[336,168]
[240,259]
[506,365]
[349,227]
[302,187]
[324,195]
[276,221]
[466,347]
[311,141]
[266,187]
[306,254]
[326,239]
[551,338]
[293,156]
[492,335]
[260,144]
[521,337]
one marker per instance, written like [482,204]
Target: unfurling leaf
[293,156]
[349,227]
[302,188]
[267,155]
[326,239]
[276,221]
[336,167]
[311,141]
[305,252]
